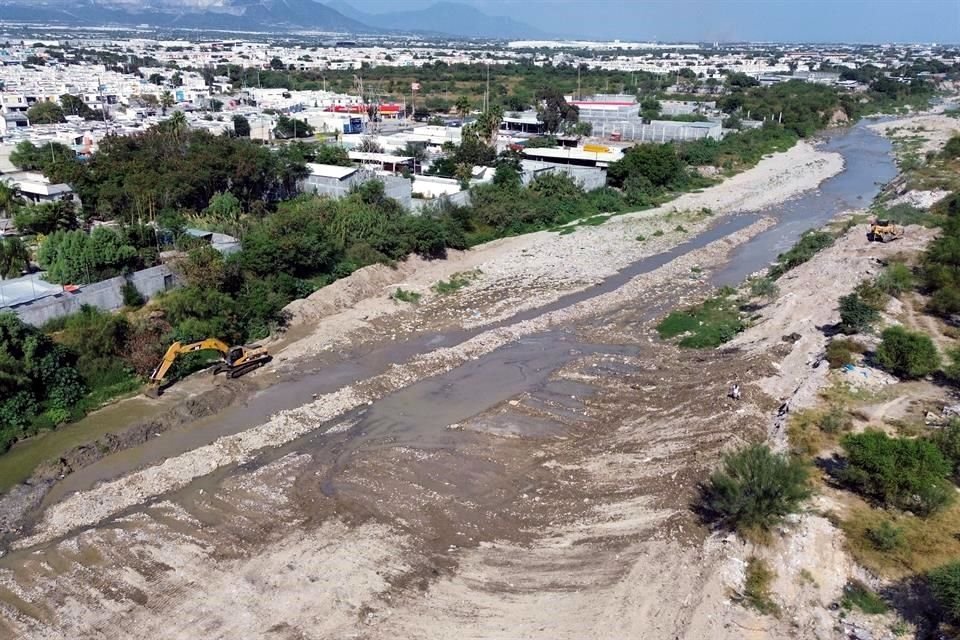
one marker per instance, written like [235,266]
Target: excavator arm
[178,348]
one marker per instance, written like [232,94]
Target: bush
[131,295]
[764,288]
[840,352]
[809,244]
[754,490]
[756,586]
[402,295]
[907,354]
[886,536]
[896,279]
[856,316]
[900,472]
[947,441]
[707,325]
[856,594]
[945,585]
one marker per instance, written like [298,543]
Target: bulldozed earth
[515,458]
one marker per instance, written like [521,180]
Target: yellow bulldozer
[884,231]
[235,361]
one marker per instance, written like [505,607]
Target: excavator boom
[178,348]
[236,361]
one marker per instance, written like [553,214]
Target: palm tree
[166,101]
[462,106]
[10,199]
[176,125]
[14,258]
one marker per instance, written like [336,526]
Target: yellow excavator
[236,360]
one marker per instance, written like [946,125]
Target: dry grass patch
[925,543]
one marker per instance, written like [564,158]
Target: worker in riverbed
[735,391]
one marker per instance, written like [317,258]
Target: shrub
[907,354]
[901,472]
[896,279]
[947,441]
[756,586]
[856,316]
[952,370]
[886,536]
[840,352]
[402,295]
[856,594]
[131,295]
[871,294]
[754,489]
[809,244]
[710,324]
[835,420]
[945,585]
[764,288]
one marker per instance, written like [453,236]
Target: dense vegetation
[906,473]
[754,490]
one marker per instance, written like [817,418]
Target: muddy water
[418,414]
[868,165]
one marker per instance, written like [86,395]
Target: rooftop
[331,170]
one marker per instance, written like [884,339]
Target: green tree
[856,316]
[75,106]
[554,111]
[907,354]
[10,199]
[462,106]
[945,586]
[75,257]
[14,257]
[47,217]
[277,64]
[224,207]
[45,113]
[241,126]
[45,158]
[287,128]
[166,101]
[900,472]
[754,489]
[658,164]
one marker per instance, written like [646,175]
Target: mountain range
[266,15]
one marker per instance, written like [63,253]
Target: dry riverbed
[376,511]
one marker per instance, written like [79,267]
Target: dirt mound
[19,502]
[361,284]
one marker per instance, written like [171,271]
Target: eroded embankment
[19,501]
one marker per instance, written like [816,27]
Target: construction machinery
[884,231]
[235,361]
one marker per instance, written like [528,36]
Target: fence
[106,295]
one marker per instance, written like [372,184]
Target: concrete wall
[460,199]
[396,187]
[589,178]
[104,295]
[656,131]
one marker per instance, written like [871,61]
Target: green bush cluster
[945,585]
[809,244]
[856,315]
[907,354]
[38,378]
[906,473]
[754,490]
[715,321]
[840,352]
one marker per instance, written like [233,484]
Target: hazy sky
[781,20]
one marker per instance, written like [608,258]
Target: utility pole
[486,97]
